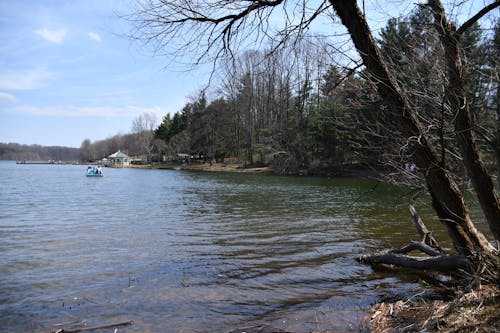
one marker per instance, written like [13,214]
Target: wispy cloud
[53,36]
[85,111]
[95,36]
[24,79]
[6,98]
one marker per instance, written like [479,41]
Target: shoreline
[203,167]
[351,171]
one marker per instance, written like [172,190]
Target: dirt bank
[352,170]
[206,167]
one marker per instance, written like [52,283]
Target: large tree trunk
[457,100]
[447,200]
[497,136]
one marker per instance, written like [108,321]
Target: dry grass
[477,311]
[215,167]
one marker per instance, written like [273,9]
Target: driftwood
[95,328]
[442,263]
[436,258]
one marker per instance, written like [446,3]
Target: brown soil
[219,167]
[215,167]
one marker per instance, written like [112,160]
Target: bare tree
[457,102]
[87,151]
[220,26]
[143,127]
[447,200]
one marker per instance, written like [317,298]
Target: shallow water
[192,252]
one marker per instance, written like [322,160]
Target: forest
[300,111]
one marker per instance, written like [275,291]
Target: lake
[176,251]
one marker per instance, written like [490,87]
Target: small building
[183,158]
[119,159]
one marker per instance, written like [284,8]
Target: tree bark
[457,100]
[497,135]
[447,200]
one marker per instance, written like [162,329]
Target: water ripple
[188,251]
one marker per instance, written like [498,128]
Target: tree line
[425,92]
[300,111]
[19,152]
[138,143]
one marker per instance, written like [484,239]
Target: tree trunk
[447,200]
[497,137]
[457,100]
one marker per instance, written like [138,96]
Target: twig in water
[86,329]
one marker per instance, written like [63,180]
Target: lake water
[177,251]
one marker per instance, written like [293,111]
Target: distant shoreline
[351,171]
[204,167]
[44,162]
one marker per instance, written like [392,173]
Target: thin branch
[476,17]
[421,246]
[95,328]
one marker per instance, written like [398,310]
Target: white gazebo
[119,159]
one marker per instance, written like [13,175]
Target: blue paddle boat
[95,171]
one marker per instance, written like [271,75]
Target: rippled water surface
[191,252]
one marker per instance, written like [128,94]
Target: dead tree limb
[425,234]
[443,263]
[421,246]
[436,259]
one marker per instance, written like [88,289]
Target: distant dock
[40,162]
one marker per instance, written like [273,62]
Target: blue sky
[67,73]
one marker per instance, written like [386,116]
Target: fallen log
[442,263]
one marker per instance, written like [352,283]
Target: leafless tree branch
[478,16]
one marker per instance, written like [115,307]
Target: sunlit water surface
[193,252]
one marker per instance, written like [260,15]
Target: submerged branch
[95,328]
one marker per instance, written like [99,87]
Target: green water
[195,252]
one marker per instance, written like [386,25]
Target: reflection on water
[191,252]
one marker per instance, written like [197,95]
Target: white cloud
[24,79]
[53,36]
[95,36]
[7,98]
